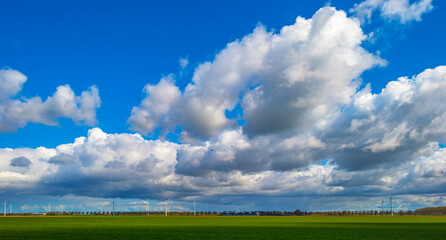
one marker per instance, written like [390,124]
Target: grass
[143,227]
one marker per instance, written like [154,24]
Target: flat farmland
[172,227]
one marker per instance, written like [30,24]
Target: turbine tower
[382,207]
[194,207]
[4,214]
[148,208]
[113,214]
[391,205]
[166,208]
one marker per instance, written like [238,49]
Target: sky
[251,105]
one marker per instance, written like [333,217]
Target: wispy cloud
[183,62]
[399,10]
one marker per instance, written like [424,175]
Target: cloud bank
[127,166]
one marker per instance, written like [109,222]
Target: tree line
[435,211]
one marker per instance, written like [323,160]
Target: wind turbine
[166,208]
[4,214]
[148,208]
[194,207]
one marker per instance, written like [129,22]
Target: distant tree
[298,212]
[431,211]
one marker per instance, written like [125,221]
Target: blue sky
[252,110]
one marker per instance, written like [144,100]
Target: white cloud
[15,113]
[12,82]
[404,121]
[400,10]
[183,62]
[26,208]
[153,110]
[283,80]
[391,140]
[15,178]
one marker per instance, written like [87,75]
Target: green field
[143,227]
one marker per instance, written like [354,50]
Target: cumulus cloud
[14,178]
[16,113]
[12,82]
[153,111]
[404,121]
[373,146]
[106,165]
[401,123]
[399,10]
[282,80]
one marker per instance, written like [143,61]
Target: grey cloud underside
[20,162]
[310,130]
[61,158]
